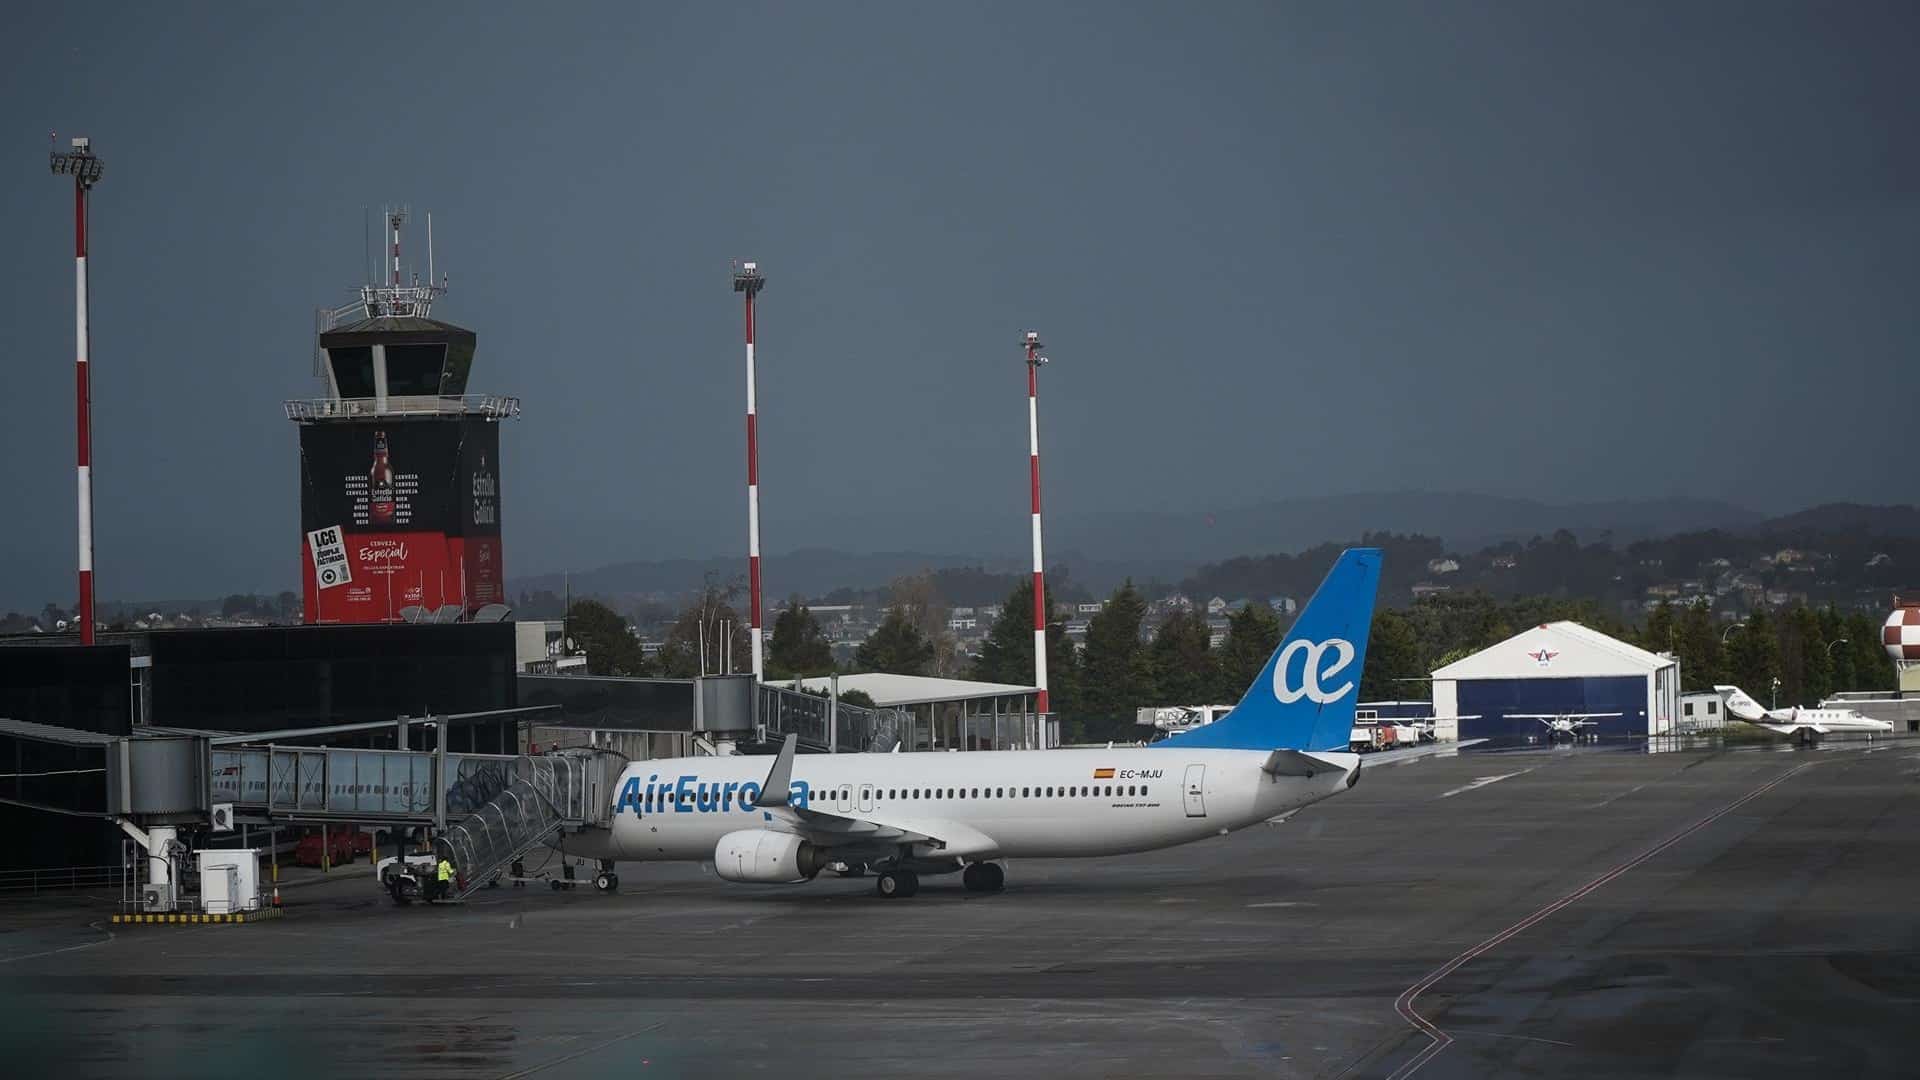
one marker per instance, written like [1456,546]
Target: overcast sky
[1561,251]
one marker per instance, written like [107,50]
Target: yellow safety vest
[446,870]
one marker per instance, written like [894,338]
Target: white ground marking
[1483,781]
[1614,798]
[70,948]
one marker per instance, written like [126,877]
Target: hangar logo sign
[1543,656]
[329,552]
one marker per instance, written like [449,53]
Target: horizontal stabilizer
[1297,763]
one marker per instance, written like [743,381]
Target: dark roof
[26,729]
[402,330]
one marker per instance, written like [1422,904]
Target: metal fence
[34,881]
[488,405]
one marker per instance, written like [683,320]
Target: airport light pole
[79,163]
[1831,644]
[748,280]
[1034,360]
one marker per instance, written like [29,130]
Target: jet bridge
[156,784]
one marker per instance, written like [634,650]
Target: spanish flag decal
[1103,774]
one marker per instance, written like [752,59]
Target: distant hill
[1463,521]
[1100,550]
[1860,518]
[810,572]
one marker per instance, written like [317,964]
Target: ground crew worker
[446,878]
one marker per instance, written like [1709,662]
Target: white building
[1702,710]
[953,714]
[539,648]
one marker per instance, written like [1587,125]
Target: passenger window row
[1093,791]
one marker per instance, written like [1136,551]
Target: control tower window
[353,370]
[414,370]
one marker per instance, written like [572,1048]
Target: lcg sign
[1324,660]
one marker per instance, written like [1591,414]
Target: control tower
[399,464]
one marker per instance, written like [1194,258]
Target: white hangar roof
[1561,650]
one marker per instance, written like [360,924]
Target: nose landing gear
[606,880]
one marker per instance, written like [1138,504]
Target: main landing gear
[892,884]
[606,880]
[983,877]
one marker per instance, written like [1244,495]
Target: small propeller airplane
[1566,725]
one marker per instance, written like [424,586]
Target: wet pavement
[1578,911]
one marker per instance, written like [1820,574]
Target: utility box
[229,880]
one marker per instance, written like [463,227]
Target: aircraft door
[1195,791]
[866,798]
[843,799]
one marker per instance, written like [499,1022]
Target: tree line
[1125,666]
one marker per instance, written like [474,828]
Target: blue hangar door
[1494,701]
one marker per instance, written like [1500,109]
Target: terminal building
[1560,669]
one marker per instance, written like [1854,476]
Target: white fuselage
[984,804]
[1787,721]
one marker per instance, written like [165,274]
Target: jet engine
[765,857]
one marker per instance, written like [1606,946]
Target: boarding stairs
[546,797]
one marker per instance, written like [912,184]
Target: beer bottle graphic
[380,484]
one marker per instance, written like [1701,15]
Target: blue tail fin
[1304,697]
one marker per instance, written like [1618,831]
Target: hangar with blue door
[1560,674]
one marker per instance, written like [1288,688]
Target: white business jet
[1804,725]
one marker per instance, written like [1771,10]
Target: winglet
[778,788]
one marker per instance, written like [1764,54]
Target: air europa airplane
[908,815]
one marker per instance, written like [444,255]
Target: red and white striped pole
[85,169]
[394,218]
[749,281]
[1034,360]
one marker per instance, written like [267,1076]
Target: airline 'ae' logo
[1324,660]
